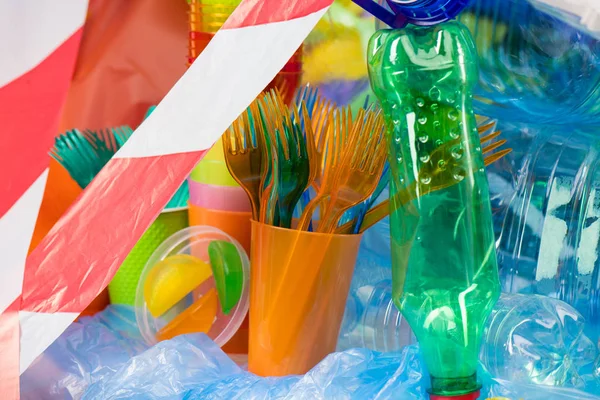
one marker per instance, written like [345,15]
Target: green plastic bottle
[445,277]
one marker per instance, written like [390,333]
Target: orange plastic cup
[299,282]
[236,224]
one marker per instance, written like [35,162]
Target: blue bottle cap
[416,12]
[428,12]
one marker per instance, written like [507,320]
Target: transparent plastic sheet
[105,357]
[193,367]
[88,351]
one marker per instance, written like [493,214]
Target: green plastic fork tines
[83,153]
[291,166]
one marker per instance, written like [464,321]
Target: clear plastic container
[546,203]
[534,66]
[536,339]
[193,243]
[372,320]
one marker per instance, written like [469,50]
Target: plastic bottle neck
[468,396]
[466,388]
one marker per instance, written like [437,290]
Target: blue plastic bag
[104,357]
[88,351]
[193,367]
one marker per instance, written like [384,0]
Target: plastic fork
[360,172]
[382,210]
[317,129]
[270,115]
[243,155]
[368,204]
[84,153]
[289,171]
[293,165]
[307,95]
[330,137]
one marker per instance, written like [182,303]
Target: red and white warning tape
[38,47]
[80,255]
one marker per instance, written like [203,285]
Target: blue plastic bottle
[534,67]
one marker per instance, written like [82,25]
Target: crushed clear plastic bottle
[527,339]
[537,339]
[546,203]
[372,320]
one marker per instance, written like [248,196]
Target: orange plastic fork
[360,173]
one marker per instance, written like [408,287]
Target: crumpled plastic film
[88,351]
[105,357]
[192,367]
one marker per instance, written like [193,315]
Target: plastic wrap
[88,351]
[192,367]
[104,357]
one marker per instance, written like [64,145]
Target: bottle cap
[428,12]
[468,396]
[398,13]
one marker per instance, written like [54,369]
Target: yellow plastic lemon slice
[171,279]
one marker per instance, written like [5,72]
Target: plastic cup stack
[217,200]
